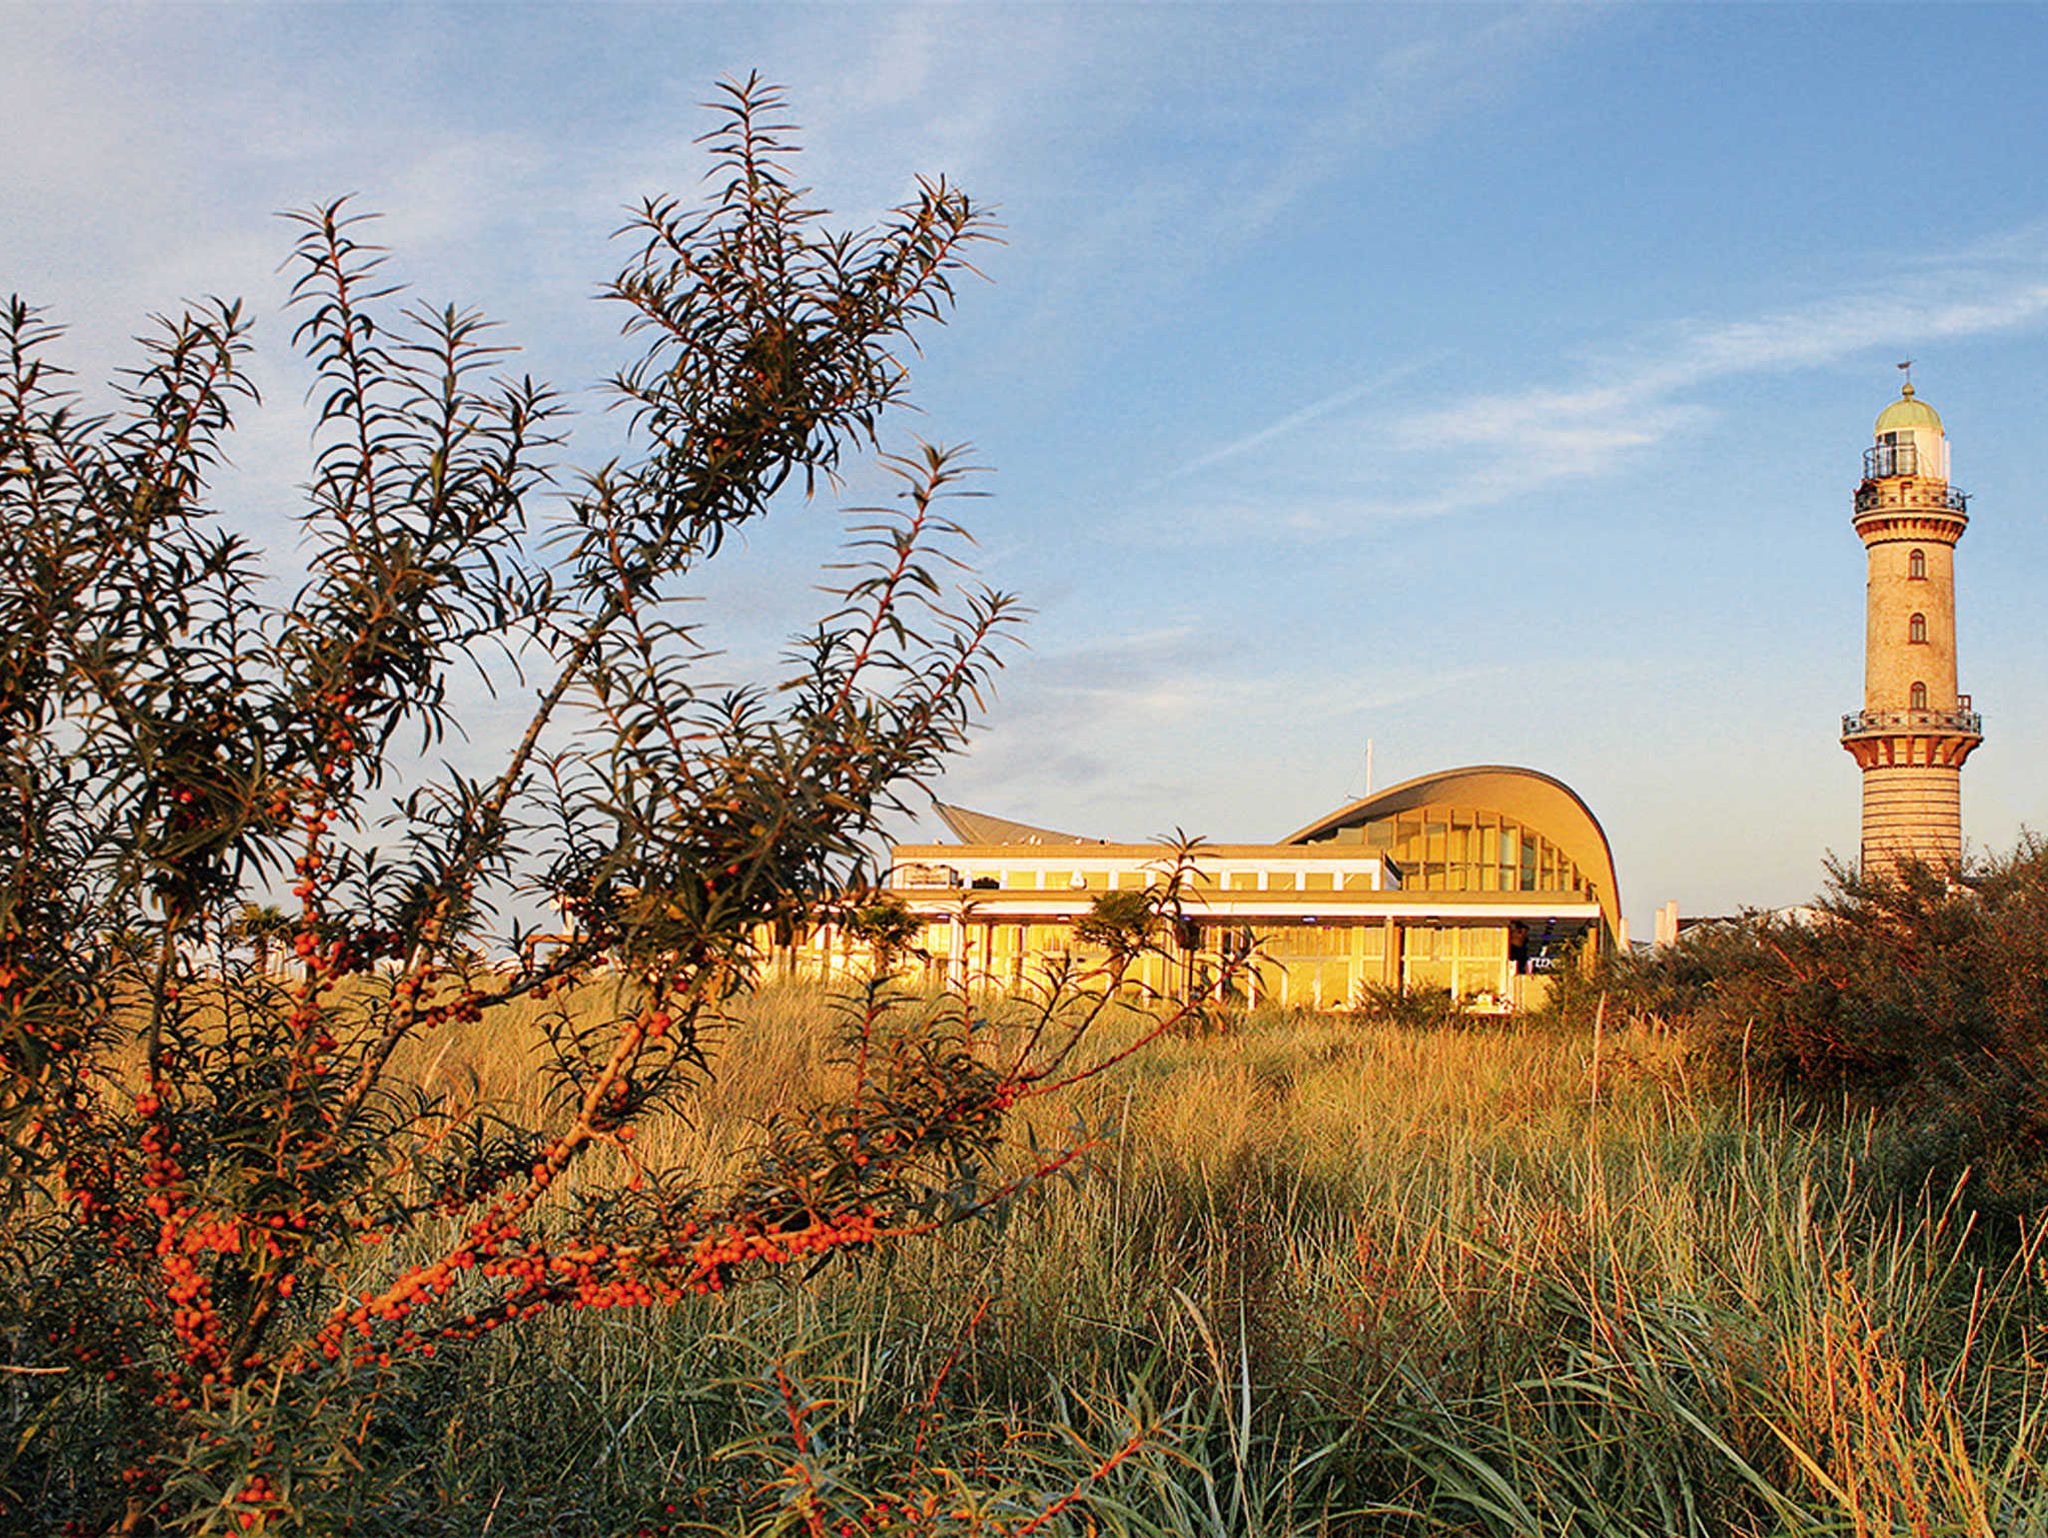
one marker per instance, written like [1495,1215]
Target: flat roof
[1066,854]
[1364,903]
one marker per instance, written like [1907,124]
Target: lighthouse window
[1916,629]
[1919,696]
[1895,454]
[1916,564]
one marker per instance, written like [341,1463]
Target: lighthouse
[1915,730]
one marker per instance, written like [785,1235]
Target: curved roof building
[1487,828]
[1477,880]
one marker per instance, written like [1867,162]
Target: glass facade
[1289,942]
[1448,849]
[1463,961]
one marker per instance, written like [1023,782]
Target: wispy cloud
[1103,733]
[1409,91]
[1635,402]
[1127,237]
[1294,421]
[1483,449]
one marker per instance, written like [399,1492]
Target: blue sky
[1488,383]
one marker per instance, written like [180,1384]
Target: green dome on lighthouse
[1908,411]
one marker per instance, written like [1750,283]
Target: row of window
[1003,942]
[1456,849]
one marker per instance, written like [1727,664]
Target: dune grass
[1323,1277]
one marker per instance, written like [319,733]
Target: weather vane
[1907,368]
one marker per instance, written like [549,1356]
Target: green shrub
[887,927]
[1924,997]
[1415,1009]
[1580,989]
[1122,923]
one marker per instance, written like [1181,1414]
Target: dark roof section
[981,828]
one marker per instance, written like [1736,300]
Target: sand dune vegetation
[1323,1275]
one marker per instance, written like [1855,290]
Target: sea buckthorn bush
[233,1231]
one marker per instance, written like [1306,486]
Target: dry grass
[1372,1280]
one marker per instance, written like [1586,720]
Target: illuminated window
[1916,565]
[1916,629]
[1919,696]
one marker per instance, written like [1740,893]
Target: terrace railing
[1962,720]
[1870,494]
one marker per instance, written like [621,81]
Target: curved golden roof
[1908,411]
[1533,798]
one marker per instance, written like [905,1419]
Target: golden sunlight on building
[1477,880]
[1914,731]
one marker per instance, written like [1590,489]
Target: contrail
[1304,416]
